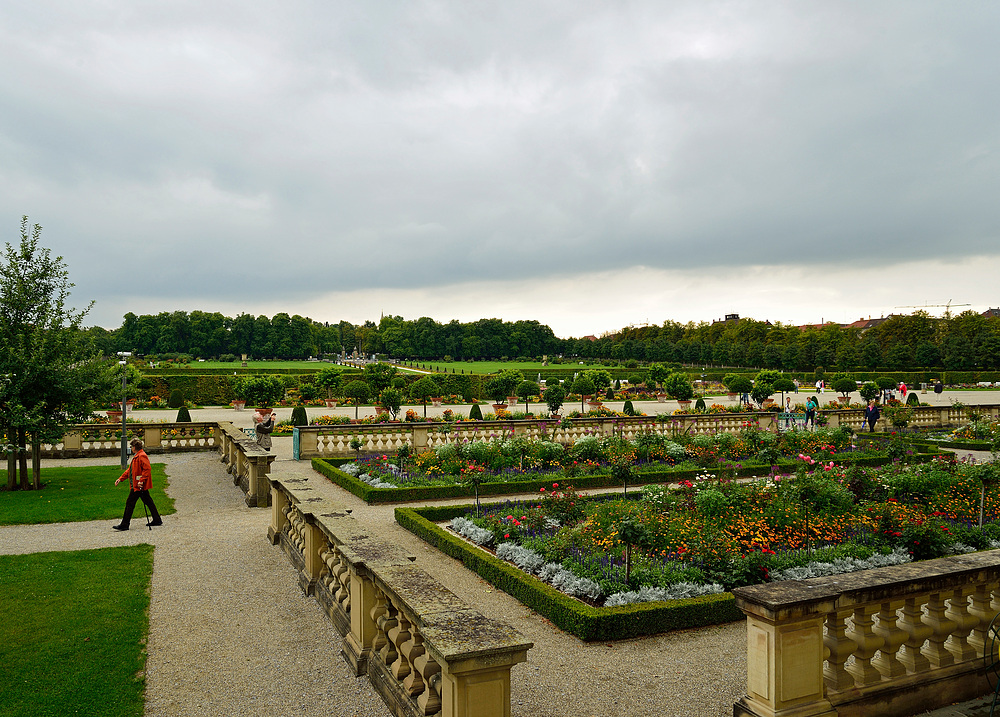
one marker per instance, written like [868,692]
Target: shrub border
[577,618]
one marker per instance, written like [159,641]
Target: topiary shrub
[699,405]
[475,413]
[912,400]
[299,417]
[176,399]
[183,415]
[628,409]
[609,395]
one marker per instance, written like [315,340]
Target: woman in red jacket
[140,473]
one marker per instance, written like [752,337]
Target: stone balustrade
[335,441]
[89,440]
[423,649]
[889,641]
[246,462]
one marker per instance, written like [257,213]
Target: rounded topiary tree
[738,383]
[260,391]
[583,386]
[329,380]
[657,374]
[912,400]
[525,390]
[678,386]
[176,399]
[869,391]
[183,415]
[424,388]
[784,385]
[357,391]
[845,387]
[391,399]
[299,417]
[554,397]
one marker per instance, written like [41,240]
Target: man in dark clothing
[141,478]
[872,415]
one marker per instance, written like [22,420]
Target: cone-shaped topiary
[912,400]
[299,417]
[628,409]
[176,399]
[183,415]
[476,413]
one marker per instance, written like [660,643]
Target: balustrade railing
[424,650]
[246,462]
[335,441]
[889,641]
[104,439]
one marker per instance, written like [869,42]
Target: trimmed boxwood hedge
[371,495]
[577,618]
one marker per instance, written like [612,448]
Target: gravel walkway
[227,619]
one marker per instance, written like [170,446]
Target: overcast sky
[587,164]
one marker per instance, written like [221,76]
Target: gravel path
[227,619]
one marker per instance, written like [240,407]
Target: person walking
[938,387]
[902,389]
[140,476]
[872,415]
[812,403]
[263,430]
[796,382]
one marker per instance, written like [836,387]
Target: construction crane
[947,307]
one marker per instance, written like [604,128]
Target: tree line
[968,341]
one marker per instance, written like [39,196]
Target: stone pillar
[259,488]
[419,435]
[315,544]
[357,644]
[279,501]
[152,437]
[308,442]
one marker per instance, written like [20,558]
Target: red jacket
[141,472]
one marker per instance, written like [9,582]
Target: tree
[424,388]
[600,377]
[525,390]
[328,378]
[554,397]
[678,386]
[737,383]
[784,385]
[583,386]
[763,385]
[358,391]
[869,391]
[657,374]
[391,399]
[261,391]
[845,386]
[49,372]
[379,376]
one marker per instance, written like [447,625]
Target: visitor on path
[141,475]
[788,413]
[812,403]
[872,415]
[902,389]
[796,382]
[263,431]
[938,387]
[820,385]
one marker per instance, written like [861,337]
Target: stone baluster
[887,662]
[400,635]
[869,642]
[959,613]
[429,701]
[982,609]
[911,622]
[941,629]
[413,648]
[387,620]
[839,647]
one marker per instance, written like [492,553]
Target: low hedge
[329,467]
[577,618]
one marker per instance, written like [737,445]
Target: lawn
[74,634]
[486,367]
[71,494]
[303,366]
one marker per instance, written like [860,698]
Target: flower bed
[708,536]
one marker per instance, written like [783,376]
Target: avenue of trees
[968,341]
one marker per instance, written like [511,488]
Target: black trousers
[133,496]
[871,424]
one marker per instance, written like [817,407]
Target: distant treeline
[966,342]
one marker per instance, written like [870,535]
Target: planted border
[577,618]
[374,496]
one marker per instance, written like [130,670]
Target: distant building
[865,324]
[730,319]
[992,313]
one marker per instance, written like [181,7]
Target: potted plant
[655,377]
[845,386]
[583,386]
[390,401]
[329,378]
[424,388]
[259,391]
[678,387]
[737,384]
[357,391]
[525,390]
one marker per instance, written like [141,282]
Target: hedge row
[577,618]
[373,496]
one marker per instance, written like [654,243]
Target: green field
[73,636]
[487,367]
[303,366]
[76,494]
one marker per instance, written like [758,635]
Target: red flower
[542,490]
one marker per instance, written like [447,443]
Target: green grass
[78,493]
[73,636]
[485,367]
[303,366]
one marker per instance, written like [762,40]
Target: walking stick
[148,524]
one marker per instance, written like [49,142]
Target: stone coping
[790,599]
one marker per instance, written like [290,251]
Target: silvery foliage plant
[468,529]
[353,469]
[677,591]
[561,579]
[843,565]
